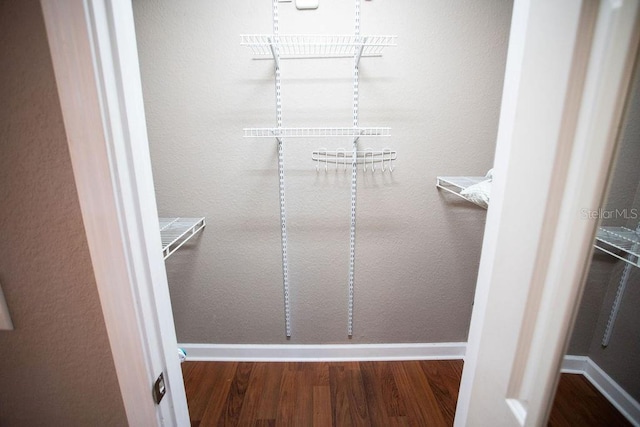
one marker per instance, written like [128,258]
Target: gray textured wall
[417,250]
[621,359]
[56,366]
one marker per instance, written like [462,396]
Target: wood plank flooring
[413,393]
[416,393]
[579,403]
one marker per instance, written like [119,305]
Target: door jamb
[95,60]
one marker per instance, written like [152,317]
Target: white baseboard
[323,353]
[627,405]
[574,364]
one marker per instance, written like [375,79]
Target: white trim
[574,364]
[490,244]
[323,353]
[627,405]
[93,49]
[611,390]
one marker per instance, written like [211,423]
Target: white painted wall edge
[627,405]
[5,319]
[323,352]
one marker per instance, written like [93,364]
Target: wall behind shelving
[417,250]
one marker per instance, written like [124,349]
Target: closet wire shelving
[291,46]
[367,158]
[296,46]
[315,132]
[620,242]
[456,184]
[175,232]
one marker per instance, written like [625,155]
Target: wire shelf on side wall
[175,232]
[456,184]
[620,242]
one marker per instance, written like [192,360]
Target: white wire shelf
[316,46]
[620,242]
[367,158]
[315,132]
[175,232]
[455,184]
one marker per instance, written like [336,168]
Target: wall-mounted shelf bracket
[175,232]
[359,51]
[274,52]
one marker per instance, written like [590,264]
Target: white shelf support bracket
[360,49]
[274,52]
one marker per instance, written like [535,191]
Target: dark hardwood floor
[413,393]
[579,403]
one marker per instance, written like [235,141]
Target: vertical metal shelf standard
[292,46]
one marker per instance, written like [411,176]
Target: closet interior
[320,230]
[371,104]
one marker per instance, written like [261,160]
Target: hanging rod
[315,132]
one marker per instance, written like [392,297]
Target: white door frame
[568,69]
[95,60]
[94,53]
